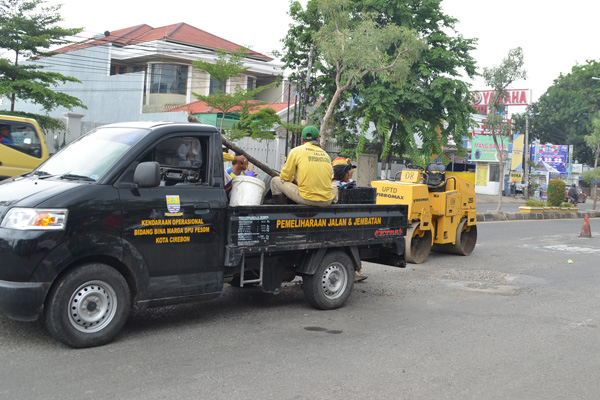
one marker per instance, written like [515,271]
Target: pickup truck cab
[128,217]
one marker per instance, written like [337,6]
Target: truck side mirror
[147,174]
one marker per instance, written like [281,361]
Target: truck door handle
[201,208]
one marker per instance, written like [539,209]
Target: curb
[502,216]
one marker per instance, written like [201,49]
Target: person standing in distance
[306,175]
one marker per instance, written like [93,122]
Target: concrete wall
[270,152]
[240,81]
[115,98]
[271,95]
[366,169]
[200,83]
[483,185]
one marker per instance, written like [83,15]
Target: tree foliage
[591,175]
[593,142]
[27,31]
[225,67]
[564,113]
[499,78]
[353,45]
[47,124]
[257,125]
[434,90]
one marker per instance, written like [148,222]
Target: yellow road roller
[441,210]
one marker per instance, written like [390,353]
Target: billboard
[514,97]
[549,157]
[517,152]
[484,149]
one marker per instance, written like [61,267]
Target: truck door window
[24,138]
[182,160]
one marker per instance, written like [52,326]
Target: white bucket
[246,191]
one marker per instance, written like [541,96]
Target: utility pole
[287,132]
[526,163]
[298,115]
[307,84]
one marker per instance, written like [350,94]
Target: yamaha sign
[514,97]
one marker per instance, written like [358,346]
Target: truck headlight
[35,219]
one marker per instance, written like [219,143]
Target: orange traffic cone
[585,230]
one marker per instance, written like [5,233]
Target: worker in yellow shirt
[306,175]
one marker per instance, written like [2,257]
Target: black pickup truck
[128,217]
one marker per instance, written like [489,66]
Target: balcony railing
[156,108]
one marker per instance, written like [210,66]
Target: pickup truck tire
[332,282]
[88,306]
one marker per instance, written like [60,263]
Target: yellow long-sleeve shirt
[312,167]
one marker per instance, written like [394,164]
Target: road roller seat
[435,174]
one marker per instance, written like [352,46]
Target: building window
[494,173]
[216,85]
[117,69]
[138,68]
[250,83]
[169,78]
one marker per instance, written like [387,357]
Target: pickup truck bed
[256,229]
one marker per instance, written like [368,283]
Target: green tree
[225,67]
[27,31]
[563,114]
[593,142]
[353,45]
[499,78]
[434,91]
[257,125]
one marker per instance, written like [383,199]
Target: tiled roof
[200,107]
[179,33]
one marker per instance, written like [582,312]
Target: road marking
[563,248]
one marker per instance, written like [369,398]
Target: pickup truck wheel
[88,306]
[332,282]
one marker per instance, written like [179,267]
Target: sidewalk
[517,216]
[493,199]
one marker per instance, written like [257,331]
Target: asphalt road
[515,320]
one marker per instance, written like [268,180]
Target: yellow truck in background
[22,146]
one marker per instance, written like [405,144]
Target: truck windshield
[92,155]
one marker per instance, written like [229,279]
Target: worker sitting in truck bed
[312,167]
[237,168]
[342,171]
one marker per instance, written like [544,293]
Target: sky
[554,36]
